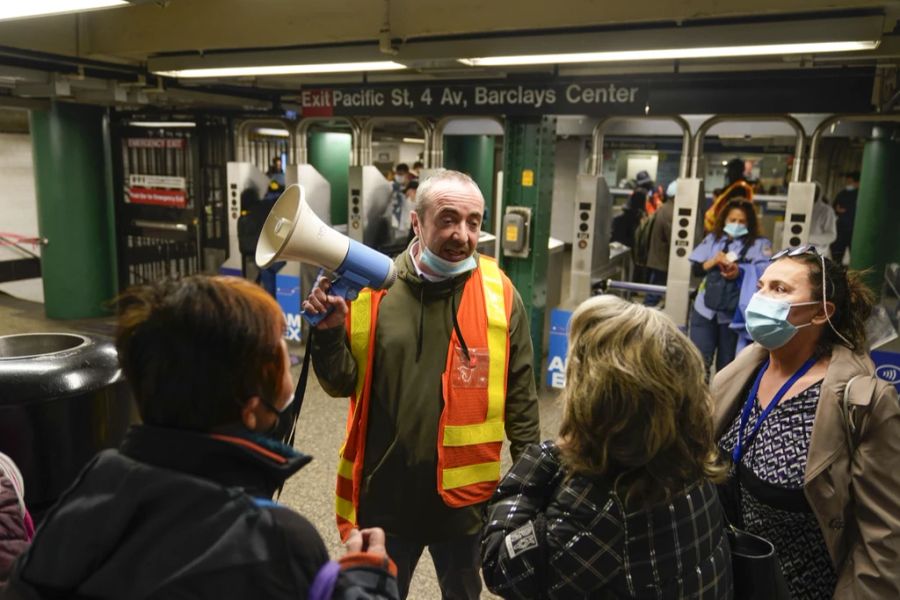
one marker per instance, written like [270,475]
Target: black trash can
[63,397]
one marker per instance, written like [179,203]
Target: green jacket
[399,487]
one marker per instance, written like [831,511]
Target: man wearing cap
[845,210]
[660,236]
[439,371]
[644,183]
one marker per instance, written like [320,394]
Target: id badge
[471,373]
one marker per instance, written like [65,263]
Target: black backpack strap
[299,394]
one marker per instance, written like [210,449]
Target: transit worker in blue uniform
[725,258]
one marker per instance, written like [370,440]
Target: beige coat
[856,499]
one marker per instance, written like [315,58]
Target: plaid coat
[548,537]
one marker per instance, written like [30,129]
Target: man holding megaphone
[438,368]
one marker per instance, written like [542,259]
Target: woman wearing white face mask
[813,436]
[726,259]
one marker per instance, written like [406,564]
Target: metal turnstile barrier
[686,229]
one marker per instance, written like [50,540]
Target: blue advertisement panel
[288,296]
[887,366]
[557,348]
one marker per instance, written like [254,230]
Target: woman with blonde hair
[623,502]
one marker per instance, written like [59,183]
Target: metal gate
[171,214]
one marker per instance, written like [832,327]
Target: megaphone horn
[293,232]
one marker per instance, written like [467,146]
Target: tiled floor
[320,428]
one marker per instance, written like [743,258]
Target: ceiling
[109,56]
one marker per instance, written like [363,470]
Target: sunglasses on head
[810,249]
[798,251]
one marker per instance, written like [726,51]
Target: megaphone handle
[343,287]
[340,286]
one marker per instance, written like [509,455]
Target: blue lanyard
[738,451]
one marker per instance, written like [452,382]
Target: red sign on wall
[159,197]
[317,102]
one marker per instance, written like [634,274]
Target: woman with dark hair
[727,259]
[623,504]
[183,508]
[813,435]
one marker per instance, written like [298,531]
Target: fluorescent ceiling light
[349,67]
[672,53]
[162,124]
[414,140]
[272,132]
[39,8]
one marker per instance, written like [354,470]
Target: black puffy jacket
[178,514]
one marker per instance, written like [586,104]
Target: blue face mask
[445,268]
[736,230]
[767,321]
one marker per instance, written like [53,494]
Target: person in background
[735,242]
[402,177]
[823,224]
[736,186]
[275,173]
[417,169]
[845,211]
[254,212]
[644,182]
[813,435]
[626,223]
[438,367]
[660,241]
[184,509]
[16,526]
[622,504]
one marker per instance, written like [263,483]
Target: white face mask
[445,268]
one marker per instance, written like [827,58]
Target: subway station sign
[827,90]
[576,98]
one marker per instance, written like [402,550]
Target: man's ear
[414,221]
[248,412]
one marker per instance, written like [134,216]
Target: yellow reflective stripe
[344,508]
[497,334]
[468,435]
[458,477]
[345,468]
[360,324]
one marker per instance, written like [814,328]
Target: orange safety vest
[471,429]
[709,219]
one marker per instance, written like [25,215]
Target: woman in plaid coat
[623,503]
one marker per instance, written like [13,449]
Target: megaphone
[293,232]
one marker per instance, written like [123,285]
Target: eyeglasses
[811,249]
[798,251]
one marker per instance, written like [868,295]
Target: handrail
[242,140]
[436,153]
[365,146]
[599,131]
[712,121]
[301,137]
[834,120]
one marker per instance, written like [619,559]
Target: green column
[474,155]
[529,144]
[329,153]
[875,242]
[70,144]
